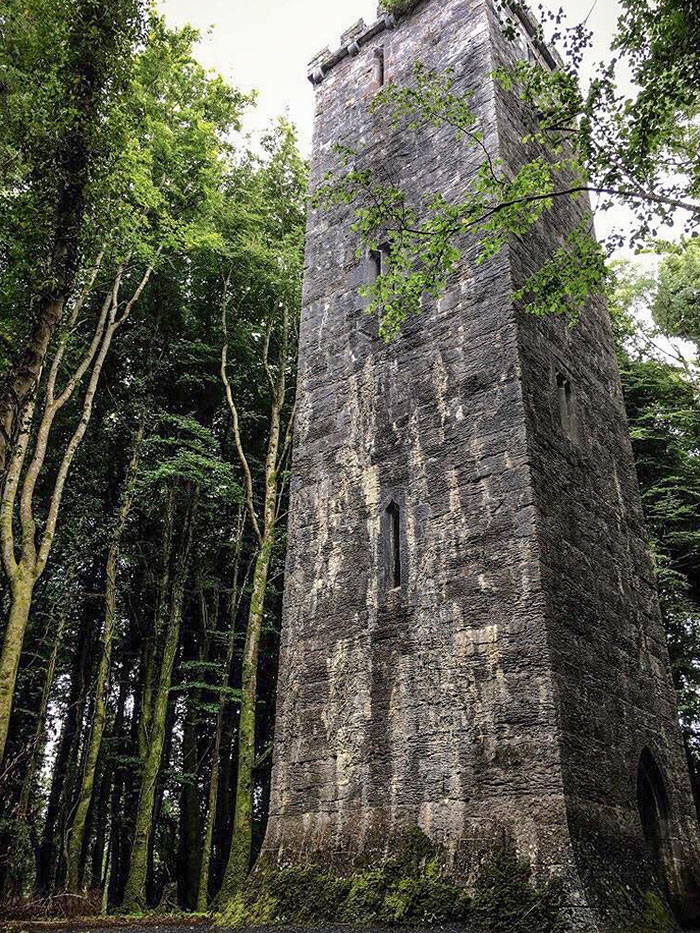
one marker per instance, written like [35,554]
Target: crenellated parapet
[360,34]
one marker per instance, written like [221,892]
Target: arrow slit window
[394,534]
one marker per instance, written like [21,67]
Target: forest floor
[164,925]
[154,924]
[201,924]
[107,925]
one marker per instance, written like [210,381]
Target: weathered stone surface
[512,682]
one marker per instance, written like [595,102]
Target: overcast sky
[266,44]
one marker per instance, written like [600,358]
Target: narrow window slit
[378,262]
[566,412]
[394,513]
[379,68]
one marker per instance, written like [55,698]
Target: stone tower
[471,641]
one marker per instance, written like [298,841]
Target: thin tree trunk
[240,855]
[151,653]
[22,588]
[203,890]
[134,894]
[242,841]
[47,849]
[76,837]
[36,547]
[39,742]
[190,821]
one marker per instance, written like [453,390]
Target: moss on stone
[398,7]
[410,888]
[655,917]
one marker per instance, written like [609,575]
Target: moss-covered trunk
[75,702]
[27,794]
[21,588]
[213,796]
[241,843]
[190,817]
[239,859]
[76,836]
[135,891]
[151,649]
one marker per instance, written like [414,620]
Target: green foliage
[676,306]
[425,240]
[564,284]
[407,889]
[398,7]
[642,151]
[56,138]
[183,450]
[650,307]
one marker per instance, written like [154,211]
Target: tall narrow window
[378,262]
[379,68]
[566,409]
[394,529]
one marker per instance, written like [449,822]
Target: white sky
[266,44]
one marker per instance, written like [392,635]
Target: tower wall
[433,704]
[607,644]
[511,682]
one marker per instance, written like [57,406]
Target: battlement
[360,34]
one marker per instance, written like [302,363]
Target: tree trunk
[22,588]
[47,849]
[241,844]
[239,858]
[134,894]
[76,839]
[212,801]
[151,652]
[26,796]
[190,821]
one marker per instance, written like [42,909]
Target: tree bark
[74,710]
[240,855]
[241,843]
[134,894]
[21,588]
[213,796]
[151,652]
[76,839]
[26,796]
[190,821]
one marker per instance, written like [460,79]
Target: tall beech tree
[158,199]
[76,837]
[275,290]
[54,140]
[192,467]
